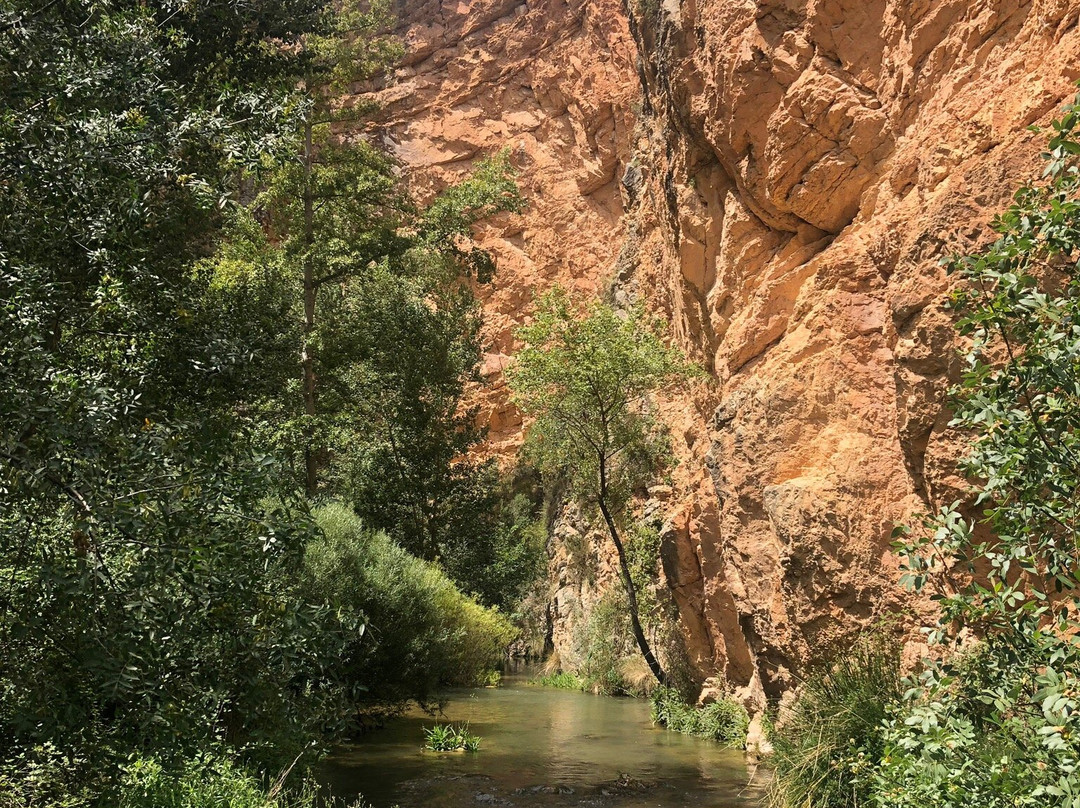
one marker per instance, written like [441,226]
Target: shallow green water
[543,747]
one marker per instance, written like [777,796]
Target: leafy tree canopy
[144,552]
[586,379]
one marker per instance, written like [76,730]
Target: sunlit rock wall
[554,83]
[779,179]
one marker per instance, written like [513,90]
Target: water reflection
[542,747]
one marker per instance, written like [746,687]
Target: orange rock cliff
[779,180]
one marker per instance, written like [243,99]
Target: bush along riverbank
[725,721]
[993,720]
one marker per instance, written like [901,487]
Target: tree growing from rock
[586,378]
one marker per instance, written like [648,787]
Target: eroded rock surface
[552,81]
[805,166]
[794,173]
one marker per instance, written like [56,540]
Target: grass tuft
[450,738]
[834,729]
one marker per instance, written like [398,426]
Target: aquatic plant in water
[450,738]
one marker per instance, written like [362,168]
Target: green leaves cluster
[1001,728]
[587,378]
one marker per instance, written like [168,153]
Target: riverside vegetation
[991,721]
[233,520]
[450,738]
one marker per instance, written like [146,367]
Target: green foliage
[355,278]
[602,643]
[444,226]
[563,680]
[827,743]
[43,775]
[986,734]
[372,292]
[423,633]
[725,721]
[500,556]
[604,647]
[450,738]
[150,544]
[146,589]
[587,380]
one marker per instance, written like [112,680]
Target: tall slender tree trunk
[312,453]
[628,581]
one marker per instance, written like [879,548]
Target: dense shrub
[984,733]
[43,775]
[834,730]
[422,632]
[725,720]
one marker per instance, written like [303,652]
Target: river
[542,747]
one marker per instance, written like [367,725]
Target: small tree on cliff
[586,380]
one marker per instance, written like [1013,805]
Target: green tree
[395,340]
[146,589]
[376,293]
[343,231]
[586,380]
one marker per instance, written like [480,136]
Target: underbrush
[422,632]
[835,729]
[991,729]
[209,780]
[205,782]
[564,680]
[450,738]
[994,730]
[724,721]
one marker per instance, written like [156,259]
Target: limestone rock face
[778,178]
[804,166]
[553,81]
